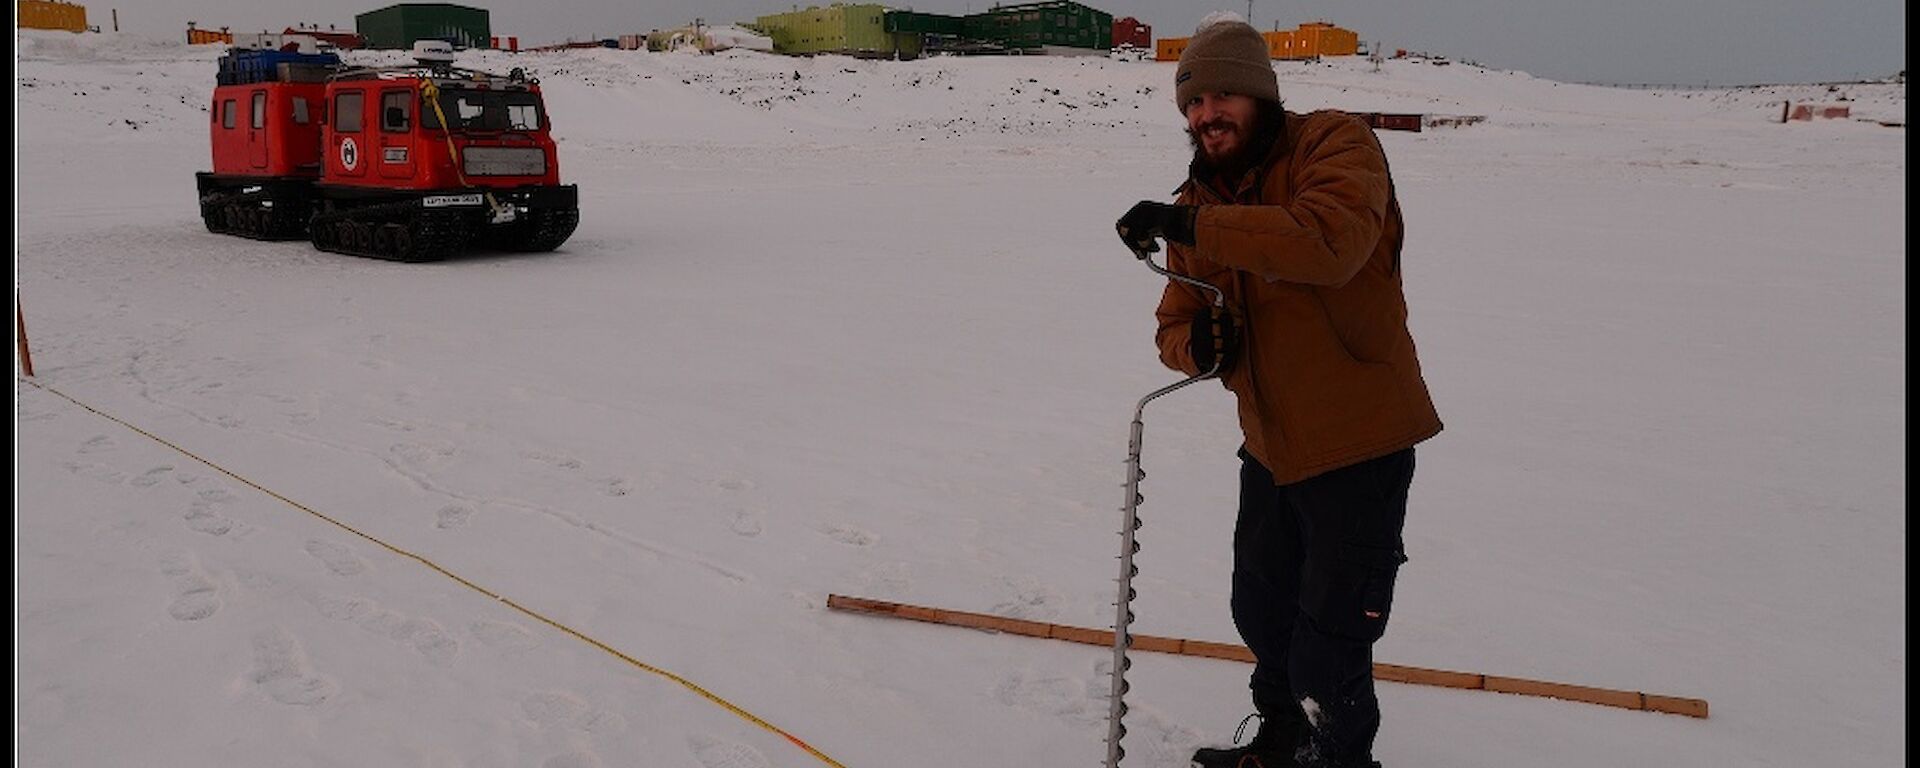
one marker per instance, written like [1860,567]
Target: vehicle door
[348,153]
[396,158]
[257,129]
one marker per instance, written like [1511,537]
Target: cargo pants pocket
[1357,596]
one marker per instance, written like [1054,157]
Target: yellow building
[854,29]
[51,14]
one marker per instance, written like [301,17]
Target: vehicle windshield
[484,110]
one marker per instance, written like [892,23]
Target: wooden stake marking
[1646,702]
[20,336]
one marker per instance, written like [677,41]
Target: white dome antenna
[433,52]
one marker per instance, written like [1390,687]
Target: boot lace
[1242,729]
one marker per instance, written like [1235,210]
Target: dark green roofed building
[1052,26]
[398,26]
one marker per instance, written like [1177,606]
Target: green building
[855,30]
[1054,26]
[398,26]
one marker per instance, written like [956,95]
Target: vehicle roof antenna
[434,54]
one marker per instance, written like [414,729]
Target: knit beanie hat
[1225,54]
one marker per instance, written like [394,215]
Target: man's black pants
[1313,571]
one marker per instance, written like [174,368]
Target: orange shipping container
[206,37]
[1169,48]
[1329,40]
[44,14]
[1279,44]
[1318,38]
[1312,39]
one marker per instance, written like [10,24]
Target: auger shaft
[1130,523]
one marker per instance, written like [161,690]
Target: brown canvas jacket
[1307,248]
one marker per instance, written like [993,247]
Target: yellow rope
[431,93]
[536,615]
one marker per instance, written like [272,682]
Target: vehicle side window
[396,111]
[259,109]
[346,111]
[228,110]
[300,115]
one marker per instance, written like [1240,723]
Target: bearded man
[1295,218]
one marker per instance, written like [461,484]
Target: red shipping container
[1822,111]
[1129,31]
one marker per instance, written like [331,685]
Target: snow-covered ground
[837,326]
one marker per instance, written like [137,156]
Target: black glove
[1148,220]
[1213,335]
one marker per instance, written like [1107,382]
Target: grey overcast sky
[1611,41]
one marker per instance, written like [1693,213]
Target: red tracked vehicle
[412,163]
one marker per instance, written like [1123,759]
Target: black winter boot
[1273,745]
[1314,753]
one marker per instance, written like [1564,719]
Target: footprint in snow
[195,596]
[575,759]
[337,557]
[451,517]
[1059,697]
[747,522]
[561,709]
[717,753]
[418,454]
[202,519]
[847,534]
[552,460]
[98,472]
[198,599]
[151,477]
[96,444]
[280,668]
[346,608]
[424,636]
[614,486]
[506,636]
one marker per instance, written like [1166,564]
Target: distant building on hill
[197,36]
[1129,31]
[699,38]
[50,14]
[1311,40]
[1051,27]
[338,38]
[399,26]
[854,30]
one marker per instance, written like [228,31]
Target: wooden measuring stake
[1647,702]
[20,336]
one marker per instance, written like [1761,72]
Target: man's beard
[1254,142]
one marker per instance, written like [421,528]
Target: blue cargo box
[242,67]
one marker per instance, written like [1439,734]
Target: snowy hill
[839,326]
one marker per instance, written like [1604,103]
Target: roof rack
[517,77]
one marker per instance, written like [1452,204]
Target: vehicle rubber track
[254,217]
[394,231]
[543,229]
